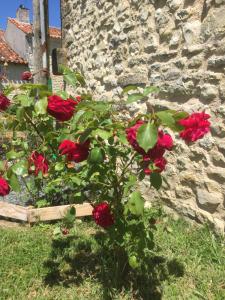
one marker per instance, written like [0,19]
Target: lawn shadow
[68,266]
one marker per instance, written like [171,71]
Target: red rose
[67,147]
[40,163]
[4,102]
[77,152]
[4,187]
[165,141]
[26,76]
[160,163]
[196,126]
[147,171]
[132,136]
[102,215]
[62,110]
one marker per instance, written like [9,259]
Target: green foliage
[134,97]
[41,106]
[147,136]
[96,156]
[156,180]
[136,203]
[109,173]
[72,78]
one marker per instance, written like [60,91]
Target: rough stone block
[209,91]
[191,31]
[132,78]
[216,62]
[209,201]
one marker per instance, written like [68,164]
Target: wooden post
[40,44]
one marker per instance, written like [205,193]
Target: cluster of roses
[153,160]
[62,110]
[195,127]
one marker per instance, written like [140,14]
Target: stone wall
[178,45]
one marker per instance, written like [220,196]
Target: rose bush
[76,149]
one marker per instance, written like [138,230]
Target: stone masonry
[179,46]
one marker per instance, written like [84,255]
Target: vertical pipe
[37,51]
[44,35]
[40,41]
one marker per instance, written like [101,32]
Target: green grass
[196,260]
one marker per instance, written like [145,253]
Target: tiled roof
[7,54]
[27,28]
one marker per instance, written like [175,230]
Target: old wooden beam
[13,211]
[57,212]
[33,215]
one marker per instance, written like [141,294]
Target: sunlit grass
[24,252]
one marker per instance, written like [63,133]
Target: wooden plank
[57,212]
[13,211]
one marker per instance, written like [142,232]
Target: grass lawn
[199,271]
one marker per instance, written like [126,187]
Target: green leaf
[96,156]
[180,115]
[130,184]
[156,180]
[42,203]
[31,86]
[69,218]
[2,165]
[41,106]
[14,155]
[7,90]
[147,136]
[123,139]
[105,135]
[150,89]
[63,69]
[77,116]
[134,97]
[20,168]
[70,78]
[166,118]
[20,114]
[60,166]
[129,88]
[80,79]
[136,203]
[75,180]
[25,100]
[84,136]
[73,210]
[133,262]
[14,183]
[62,94]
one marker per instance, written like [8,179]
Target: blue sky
[9,7]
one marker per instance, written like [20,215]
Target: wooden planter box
[33,215]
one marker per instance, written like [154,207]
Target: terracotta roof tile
[7,54]
[27,28]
